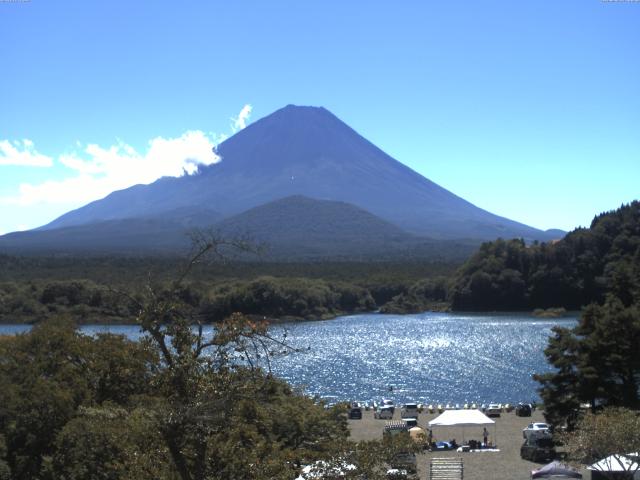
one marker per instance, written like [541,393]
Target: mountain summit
[305,151]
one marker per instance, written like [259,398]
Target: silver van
[383,412]
[409,410]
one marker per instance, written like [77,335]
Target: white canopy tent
[629,463]
[463,418]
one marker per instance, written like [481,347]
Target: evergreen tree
[597,362]
[578,270]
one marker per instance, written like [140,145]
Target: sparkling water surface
[428,357]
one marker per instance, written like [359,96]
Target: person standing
[485,436]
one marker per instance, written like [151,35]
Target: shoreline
[539,314]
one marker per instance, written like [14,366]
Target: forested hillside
[570,273]
[90,288]
[597,361]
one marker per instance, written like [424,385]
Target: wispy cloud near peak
[240,122]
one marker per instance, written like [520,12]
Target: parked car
[536,430]
[355,412]
[385,402]
[384,412]
[539,450]
[493,410]
[409,410]
[523,410]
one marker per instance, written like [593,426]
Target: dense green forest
[598,362]
[571,273]
[91,289]
[126,270]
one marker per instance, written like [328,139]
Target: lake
[427,357]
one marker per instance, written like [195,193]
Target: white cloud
[239,122]
[99,171]
[22,154]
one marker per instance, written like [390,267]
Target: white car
[537,426]
[493,410]
[535,431]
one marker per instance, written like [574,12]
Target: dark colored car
[355,413]
[540,451]
[523,410]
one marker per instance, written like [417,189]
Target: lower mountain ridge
[295,228]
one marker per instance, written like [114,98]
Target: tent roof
[462,418]
[617,463]
[556,470]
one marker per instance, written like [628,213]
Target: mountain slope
[151,234]
[307,228]
[129,235]
[293,228]
[307,151]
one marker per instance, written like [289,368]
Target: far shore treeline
[503,275]
[571,273]
[91,288]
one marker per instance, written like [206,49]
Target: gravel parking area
[505,464]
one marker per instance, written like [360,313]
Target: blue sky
[530,110]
